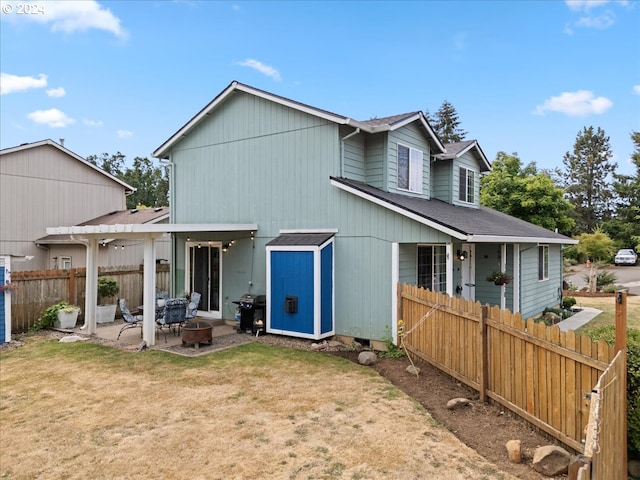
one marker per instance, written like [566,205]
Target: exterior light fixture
[461,255]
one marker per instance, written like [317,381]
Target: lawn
[608,307]
[83,410]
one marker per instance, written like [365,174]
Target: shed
[300,286]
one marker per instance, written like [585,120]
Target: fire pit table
[197,333]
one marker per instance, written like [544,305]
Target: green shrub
[608,334]
[603,278]
[393,351]
[107,287]
[568,302]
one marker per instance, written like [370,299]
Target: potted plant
[61,315]
[108,288]
[499,278]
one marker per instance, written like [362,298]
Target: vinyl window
[543,262]
[467,186]
[432,267]
[409,169]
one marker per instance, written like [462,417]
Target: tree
[596,246]
[151,182]
[624,226]
[526,193]
[587,176]
[446,123]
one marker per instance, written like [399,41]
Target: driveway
[626,276]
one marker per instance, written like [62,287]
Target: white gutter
[510,239]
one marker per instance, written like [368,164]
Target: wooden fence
[540,373]
[33,291]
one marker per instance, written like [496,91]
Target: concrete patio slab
[579,319]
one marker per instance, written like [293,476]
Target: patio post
[149,291]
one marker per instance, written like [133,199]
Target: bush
[608,334]
[49,316]
[107,287]
[603,278]
[568,302]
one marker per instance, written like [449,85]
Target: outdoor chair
[130,320]
[192,308]
[175,310]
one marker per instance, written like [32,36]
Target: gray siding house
[344,210]
[43,184]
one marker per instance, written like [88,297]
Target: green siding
[410,136]
[441,182]
[536,295]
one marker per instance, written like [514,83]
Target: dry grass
[83,410]
[608,307]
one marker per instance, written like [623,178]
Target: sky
[525,77]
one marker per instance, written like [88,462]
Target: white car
[626,257]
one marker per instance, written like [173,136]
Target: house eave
[511,239]
[133,230]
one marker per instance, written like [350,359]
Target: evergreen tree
[446,123]
[587,178]
[526,193]
[624,226]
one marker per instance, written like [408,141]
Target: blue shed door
[3,329]
[292,276]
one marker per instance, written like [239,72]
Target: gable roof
[474,225]
[51,143]
[137,216]
[369,126]
[457,149]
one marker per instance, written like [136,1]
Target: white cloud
[575,104]
[13,83]
[52,118]
[92,123]
[600,22]
[588,18]
[56,92]
[584,5]
[124,134]
[262,68]
[636,89]
[70,16]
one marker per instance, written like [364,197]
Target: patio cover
[90,235]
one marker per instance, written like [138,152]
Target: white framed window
[409,169]
[543,262]
[65,263]
[432,267]
[467,186]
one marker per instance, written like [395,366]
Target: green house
[324,215]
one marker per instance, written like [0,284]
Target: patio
[224,335]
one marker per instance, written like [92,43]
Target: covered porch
[91,235]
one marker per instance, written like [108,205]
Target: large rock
[514,450]
[413,370]
[457,402]
[634,468]
[367,358]
[551,460]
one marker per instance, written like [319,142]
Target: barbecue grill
[252,307]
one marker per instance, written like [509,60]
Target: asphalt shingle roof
[481,221]
[300,239]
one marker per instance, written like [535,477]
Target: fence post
[484,357]
[72,286]
[621,346]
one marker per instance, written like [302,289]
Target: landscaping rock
[72,338]
[634,468]
[413,370]
[458,402]
[367,358]
[335,344]
[514,451]
[551,460]
[141,346]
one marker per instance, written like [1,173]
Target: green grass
[608,315]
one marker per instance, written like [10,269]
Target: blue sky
[524,76]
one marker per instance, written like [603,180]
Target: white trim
[503,268]
[216,314]
[120,230]
[507,239]
[6,262]
[308,230]
[449,268]
[401,211]
[516,278]
[395,279]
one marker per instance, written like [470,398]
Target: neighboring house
[344,210]
[44,184]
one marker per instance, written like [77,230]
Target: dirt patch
[485,427]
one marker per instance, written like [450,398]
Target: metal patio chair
[175,311]
[192,308]
[130,320]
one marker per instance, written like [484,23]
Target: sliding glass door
[204,276]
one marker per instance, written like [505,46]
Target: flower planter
[105,313]
[501,282]
[68,319]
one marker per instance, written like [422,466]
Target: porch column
[149,291]
[503,268]
[91,287]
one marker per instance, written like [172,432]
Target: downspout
[355,132]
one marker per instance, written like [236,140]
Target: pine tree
[587,178]
[446,123]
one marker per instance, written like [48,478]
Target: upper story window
[543,262]
[466,186]
[409,169]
